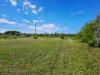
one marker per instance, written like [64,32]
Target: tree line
[17,34]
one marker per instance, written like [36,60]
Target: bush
[62,36]
[88,33]
[35,37]
[92,43]
[8,37]
[98,44]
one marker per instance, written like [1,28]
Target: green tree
[12,33]
[88,33]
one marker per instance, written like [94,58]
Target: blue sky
[63,16]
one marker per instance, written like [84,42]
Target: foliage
[88,33]
[35,36]
[62,36]
[46,56]
[12,33]
[8,37]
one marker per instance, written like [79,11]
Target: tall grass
[47,56]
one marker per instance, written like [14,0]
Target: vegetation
[62,36]
[13,35]
[16,33]
[88,33]
[35,36]
[48,56]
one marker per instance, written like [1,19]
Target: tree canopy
[88,33]
[12,33]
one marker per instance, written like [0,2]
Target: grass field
[48,56]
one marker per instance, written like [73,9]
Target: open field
[48,56]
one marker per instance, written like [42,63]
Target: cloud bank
[6,21]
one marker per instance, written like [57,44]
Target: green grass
[48,56]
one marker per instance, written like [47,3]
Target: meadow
[48,56]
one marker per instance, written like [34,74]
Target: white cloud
[6,21]
[18,10]
[13,2]
[80,12]
[76,13]
[25,21]
[40,9]
[34,11]
[3,15]
[49,26]
[26,12]
[45,28]
[38,21]
[29,27]
[28,5]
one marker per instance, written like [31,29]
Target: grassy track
[48,56]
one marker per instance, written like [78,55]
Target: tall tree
[88,33]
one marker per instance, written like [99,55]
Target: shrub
[8,37]
[87,33]
[62,36]
[92,43]
[35,37]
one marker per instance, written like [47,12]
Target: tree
[12,33]
[88,33]
[62,36]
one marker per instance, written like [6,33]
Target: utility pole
[35,28]
[36,23]
[35,37]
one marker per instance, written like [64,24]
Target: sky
[50,16]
